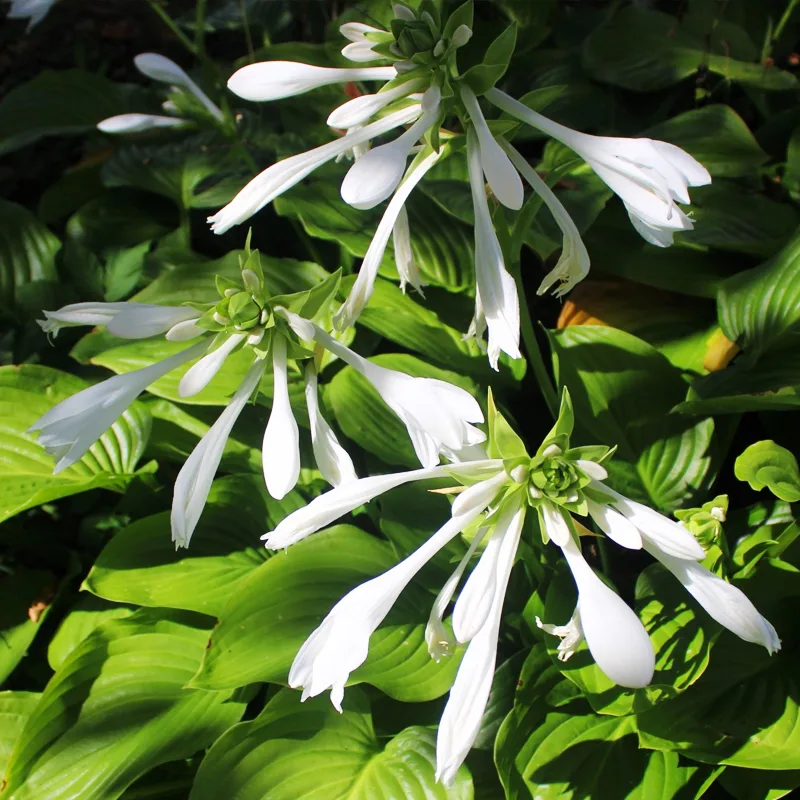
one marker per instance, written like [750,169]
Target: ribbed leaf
[15,708]
[277,607]
[309,750]
[118,707]
[26,471]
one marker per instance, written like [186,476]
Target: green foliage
[768,465]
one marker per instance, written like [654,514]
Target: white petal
[673,539]
[475,601]
[163,69]
[616,637]
[194,480]
[343,499]
[183,331]
[555,525]
[692,170]
[274,80]
[496,287]
[407,267]
[341,643]
[332,459]
[592,469]
[361,291]
[136,123]
[300,326]
[375,175]
[138,320]
[615,526]
[77,314]
[479,494]
[358,110]
[356,31]
[462,716]
[74,425]
[199,375]
[275,180]
[32,10]
[729,606]
[280,454]
[498,169]
[360,52]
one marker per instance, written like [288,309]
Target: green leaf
[309,750]
[646,50]
[459,16]
[367,420]
[503,440]
[27,251]
[123,270]
[26,471]
[485,75]
[122,692]
[56,103]
[86,615]
[282,602]
[759,784]
[717,137]
[15,708]
[25,599]
[140,565]
[622,390]
[768,465]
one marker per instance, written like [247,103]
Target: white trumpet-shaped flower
[375,175]
[281,448]
[573,264]
[280,177]
[199,375]
[497,302]
[436,414]
[194,480]
[360,109]
[137,123]
[500,173]
[32,10]
[360,47]
[69,429]
[275,80]
[361,290]
[407,267]
[649,176]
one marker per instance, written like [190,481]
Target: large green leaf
[27,251]
[368,421]
[309,750]
[57,103]
[571,754]
[140,564]
[15,708]
[717,137]
[26,471]
[117,708]
[645,50]
[622,388]
[279,605]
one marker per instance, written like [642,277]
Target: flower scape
[487,561]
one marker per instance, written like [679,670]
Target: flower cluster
[494,498]
[439,417]
[423,89]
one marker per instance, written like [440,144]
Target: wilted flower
[438,416]
[164,70]
[495,497]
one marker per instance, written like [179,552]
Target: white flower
[729,606]
[375,175]
[346,497]
[136,123]
[466,704]
[126,320]
[360,109]
[194,480]
[360,47]
[497,303]
[616,637]
[332,459]
[571,635]
[649,176]
[499,171]
[199,375]
[407,267]
[67,431]
[274,80]
[280,454]
[32,10]
[275,180]
[573,265]
[436,414]
[162,69]
[361,290]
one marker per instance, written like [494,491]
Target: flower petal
[615,526]
[199,375]
[136,123]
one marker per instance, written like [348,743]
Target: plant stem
[172,25]
[778,30]
[247,36]
[200,27]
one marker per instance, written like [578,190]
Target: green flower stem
[173,26]
[200,26]
[535,358]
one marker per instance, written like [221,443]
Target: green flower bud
[705,523]
[414,38]
[243,311]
